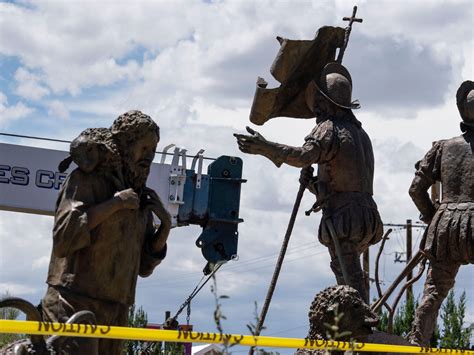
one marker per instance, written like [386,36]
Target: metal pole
[163,344]
[281,257]
[366,267]
[409,255]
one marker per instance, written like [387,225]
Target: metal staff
[281,257]
[351,20]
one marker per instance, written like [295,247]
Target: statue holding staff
[317,85]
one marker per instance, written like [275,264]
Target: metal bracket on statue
[219,238]
[177,176]
[165,151]
[177,154]
[198,158]
[218,241]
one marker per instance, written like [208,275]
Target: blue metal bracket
[215,207]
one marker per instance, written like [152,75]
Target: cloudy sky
[192,65]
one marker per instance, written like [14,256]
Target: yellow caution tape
[102,331]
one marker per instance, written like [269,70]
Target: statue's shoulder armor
[322,134]
[322,128]
[454,141]
[455,148]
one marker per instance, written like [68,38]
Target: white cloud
[25,242]
[58,109]
[29,85]
[40,263]
[79,48]
[16,290]
[74,78]
[10,113]
[217,55]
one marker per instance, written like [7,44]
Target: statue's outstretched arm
[299,157]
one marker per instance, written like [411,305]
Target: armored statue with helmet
[343,186]
[449,239]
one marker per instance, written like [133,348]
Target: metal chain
[199,286]
[188,313]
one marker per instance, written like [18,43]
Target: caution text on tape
[101,331]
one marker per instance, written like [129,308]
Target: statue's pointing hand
[253,144]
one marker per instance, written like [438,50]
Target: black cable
[196,290]
[271,257]
[156,282]
[33,137]
[64,141]
[403,225]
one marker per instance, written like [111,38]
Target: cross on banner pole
[351,20]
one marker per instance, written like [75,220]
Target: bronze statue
[449,239]
[343,186]
[93,149]
[355,320]
[103,235]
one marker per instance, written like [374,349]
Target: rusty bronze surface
[38,344]
[343,186]
[296,64]
[104,236]
[449,241]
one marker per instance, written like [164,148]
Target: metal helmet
[465,102]
[336,86]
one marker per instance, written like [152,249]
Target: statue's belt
[456,205]
[341,199]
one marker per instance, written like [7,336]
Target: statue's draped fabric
[96,270]
[105,262]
